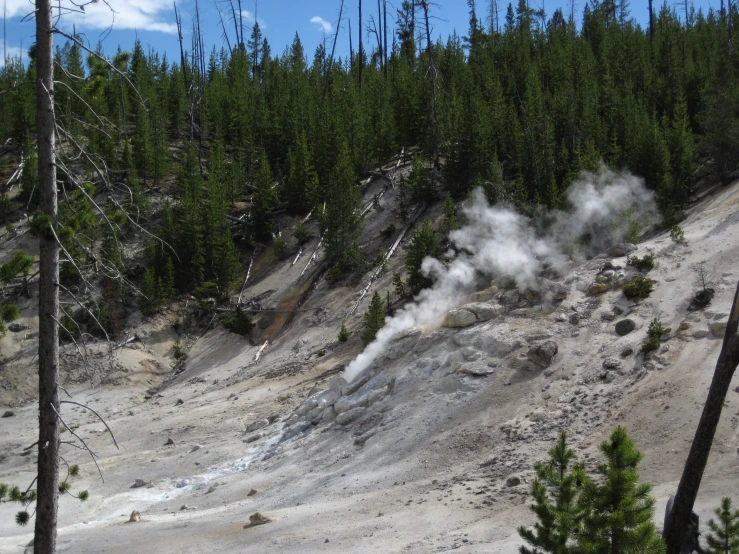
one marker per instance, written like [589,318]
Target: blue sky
[153,21]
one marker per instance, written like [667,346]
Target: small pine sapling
[617,508]
[638,287]
[677,234]
[654,334]
[724,535]
[374,318]
[645,263]
[343,333]
[555,491]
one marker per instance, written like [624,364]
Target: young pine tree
[264,200]
[555,503]
[724,536]
[423,244]
[374,319]
[618,509]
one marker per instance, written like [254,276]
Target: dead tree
[432,70]
[679,519]
[47,501]
[361,52]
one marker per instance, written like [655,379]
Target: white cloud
[145,15]
[249,18]
[13,52]
[323,25]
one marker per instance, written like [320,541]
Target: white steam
[497,241]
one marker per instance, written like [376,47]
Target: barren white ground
[433,478]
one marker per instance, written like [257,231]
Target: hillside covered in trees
[519,109]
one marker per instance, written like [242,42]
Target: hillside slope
[445,417]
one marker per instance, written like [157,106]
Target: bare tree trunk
[728,359]
[434,121]
[379,34]
[651,20]
[361,52]
[351,49]
[48,348]
[384,27]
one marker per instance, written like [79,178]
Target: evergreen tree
[302,181]
[423,244]
[374,319]
[555,503]
[618,509]
[264,200]
[724,536]
[340,220]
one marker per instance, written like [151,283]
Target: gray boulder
[625,326]
[542,354]
[459,318]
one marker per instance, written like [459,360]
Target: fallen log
[259,352]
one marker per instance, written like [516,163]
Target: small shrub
[638,287]
[388,232]
[645,263]
[301,234]
[400,289]
[10,228]
[677,234]
[343,333]
[177,351]
[280,247]
[239,323]
[654,334]
[321,353]
[9,313]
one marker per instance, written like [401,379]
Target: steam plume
[499,241]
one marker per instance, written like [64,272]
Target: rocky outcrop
[470,314]
[542,354]
[459,318]
[718,324]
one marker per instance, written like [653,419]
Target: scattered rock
[349,416]
[543,353]
[195,448]
[610,363]
[459,318]
[625,326]
[182,483]
[513,481]
[700,333]
[484,295]
[256,425]
[8,413]
[252,492]
[684,325]
[475,370]
[135,516]
[256,519]
[138,483]
[170,442]
[17,327]
[186,507]
[718,326]
[179,402]
[620,250]
[575,318]
[598,288]
[626,352]
[607,316]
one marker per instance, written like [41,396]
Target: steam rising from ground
[497,241]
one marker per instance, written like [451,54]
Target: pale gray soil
[433,476]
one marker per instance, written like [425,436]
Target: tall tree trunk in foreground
[48,347]
[728,359]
